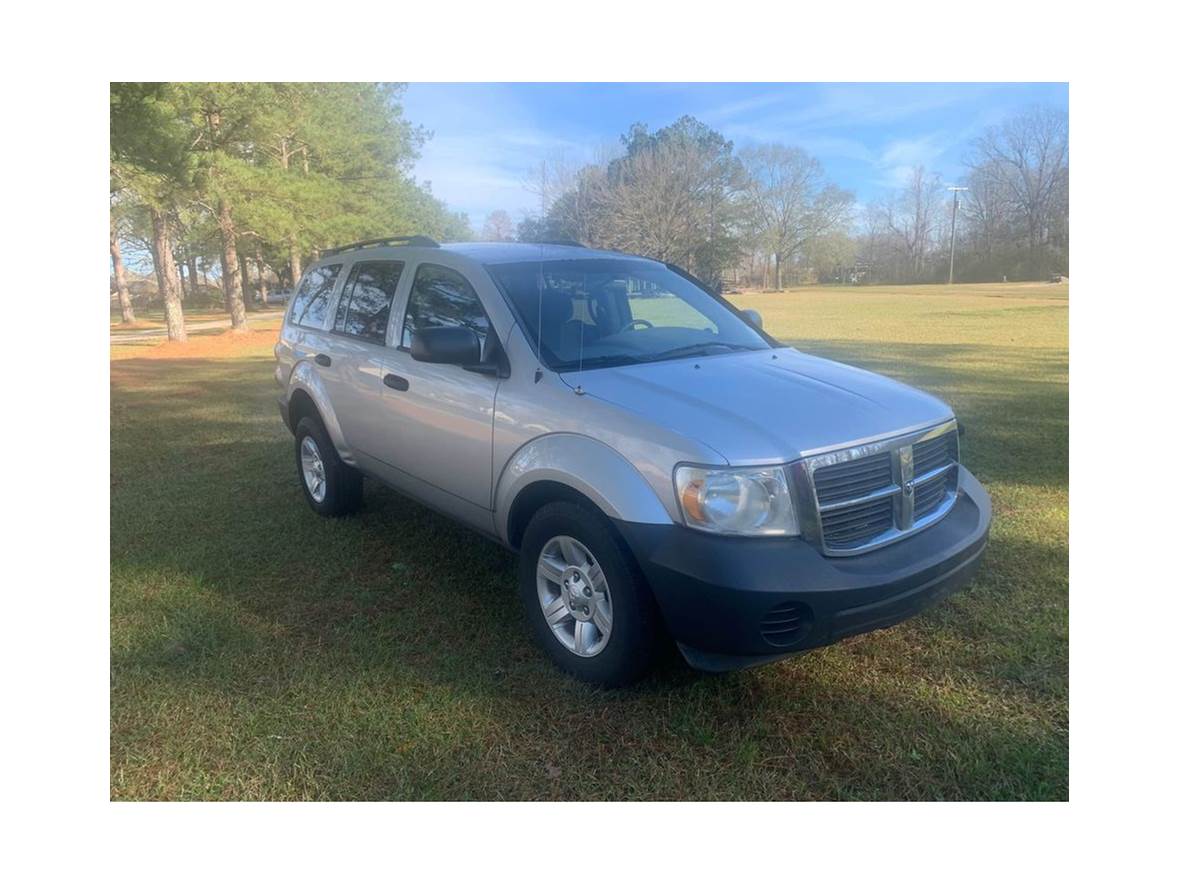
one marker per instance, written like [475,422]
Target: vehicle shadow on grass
[259,651]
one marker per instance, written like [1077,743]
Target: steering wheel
[635,324]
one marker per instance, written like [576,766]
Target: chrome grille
[877,493]
[931,454]
[930,494]
[846,528]
[844,482]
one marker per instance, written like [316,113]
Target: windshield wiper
[700,348]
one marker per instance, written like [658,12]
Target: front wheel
[585,598]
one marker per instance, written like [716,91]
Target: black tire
[344,485]
[635,630]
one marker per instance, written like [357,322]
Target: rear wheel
[331,487]
[585,597]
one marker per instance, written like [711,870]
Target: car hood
[763,406]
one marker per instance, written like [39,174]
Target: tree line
[252,179]
[769,215]
[244,183]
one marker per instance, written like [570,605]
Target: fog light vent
[786,623]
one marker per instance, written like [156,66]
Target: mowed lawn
[260,652]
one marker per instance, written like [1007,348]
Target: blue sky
[488,135]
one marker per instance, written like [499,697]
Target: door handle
[397,382]
[323,359]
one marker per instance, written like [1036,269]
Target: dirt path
[152,334]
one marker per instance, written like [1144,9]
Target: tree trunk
[262,287]
[247,292]
[192,275]
[125,308]
[185,285]
[166,276]
[778,272]
[296,263]
[230,273]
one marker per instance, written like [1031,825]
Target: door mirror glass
[452,345]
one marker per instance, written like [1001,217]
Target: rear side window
[443,297]
[310,307]
[367,299]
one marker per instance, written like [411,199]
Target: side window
[442,297]
[310,306]
[368,295]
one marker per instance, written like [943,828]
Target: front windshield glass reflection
[591,313]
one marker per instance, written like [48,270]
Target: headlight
[736,501]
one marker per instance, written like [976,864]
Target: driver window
[443,297]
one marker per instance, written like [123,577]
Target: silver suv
[662,465]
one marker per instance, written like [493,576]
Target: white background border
[1120,62]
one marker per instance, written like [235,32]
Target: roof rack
[557,243]
[383,241]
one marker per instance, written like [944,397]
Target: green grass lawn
[260,652]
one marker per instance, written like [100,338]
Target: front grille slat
[847,527]
[879,510]
[853,479]
[934,453]
[837,490]
[851,527]
[832,488]
[930,494]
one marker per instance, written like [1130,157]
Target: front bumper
[726,600]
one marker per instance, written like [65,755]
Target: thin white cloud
[484,144]
[899,157]
[744,106]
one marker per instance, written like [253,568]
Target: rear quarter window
[310,304]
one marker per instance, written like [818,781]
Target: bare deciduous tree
[498,228]
[790,201]
[1028,157]
[909,216]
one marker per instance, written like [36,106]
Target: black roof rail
[557,242]
[383,241]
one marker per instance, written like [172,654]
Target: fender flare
[305,378]
[587,466]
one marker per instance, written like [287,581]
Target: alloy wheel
[575,598]
[313,469]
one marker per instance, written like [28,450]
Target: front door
[442,414]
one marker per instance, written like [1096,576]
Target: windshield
[598,312]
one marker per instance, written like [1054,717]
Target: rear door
[306,330]
[359,346]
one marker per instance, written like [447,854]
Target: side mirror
[753,316]
[453,345]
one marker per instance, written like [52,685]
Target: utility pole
[950,280]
